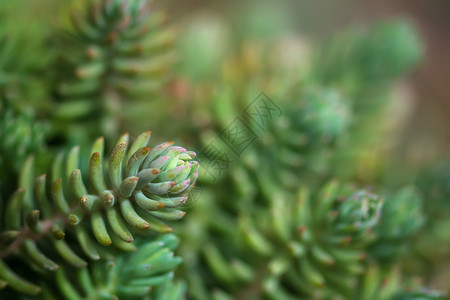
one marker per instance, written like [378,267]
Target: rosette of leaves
[116,52]
[200,63]
[312,248]
[321,118]
[138,192]
[144,274]
[401,217]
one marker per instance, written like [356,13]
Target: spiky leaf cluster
[312,248]
[144,274]
[140,191]
[323,120]
[115,53]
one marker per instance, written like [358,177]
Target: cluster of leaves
[113,55]
[143,188]
[95,227]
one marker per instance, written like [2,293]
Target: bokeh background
[427,131]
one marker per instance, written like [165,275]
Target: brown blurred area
[431,120]
[428,129]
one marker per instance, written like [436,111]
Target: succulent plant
[313,247]
[114,54]
[142,189]
[291,138]
[144,274]
[431,245]
[311,130]
[363,65]
[401,217]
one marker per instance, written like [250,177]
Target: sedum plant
[298,213]
[402,218]
[379,284]
[20,136]
[140,190]
[311,248]
[113,54]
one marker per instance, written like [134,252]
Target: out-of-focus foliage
[325,121]
[431,245]
[277,121]
[21,90]
[114,54]
[361,59]
[306,248]
[402,217]
[127,277]
[50,224]
[377,284]
[22,54]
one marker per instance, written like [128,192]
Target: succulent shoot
[135,191]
